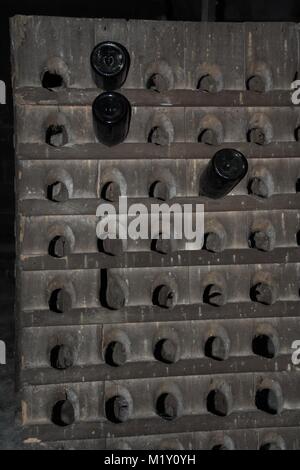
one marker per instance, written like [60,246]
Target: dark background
[186,10]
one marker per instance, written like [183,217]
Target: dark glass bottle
[112,113]
[224,171]
[110,63]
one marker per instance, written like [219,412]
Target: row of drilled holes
[158,82]
[169,405]
[164,296]
[214,242]
[259,185]
[166,350]
[57,136]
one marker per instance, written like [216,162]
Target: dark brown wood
[202,74]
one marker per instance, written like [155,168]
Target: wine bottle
[224,171]
[112,114]
[110,63]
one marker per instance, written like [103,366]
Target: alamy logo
[2,92]
[296,93]
[2,353]
[296,353]
[168,222]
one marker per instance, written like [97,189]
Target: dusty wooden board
[184,53]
